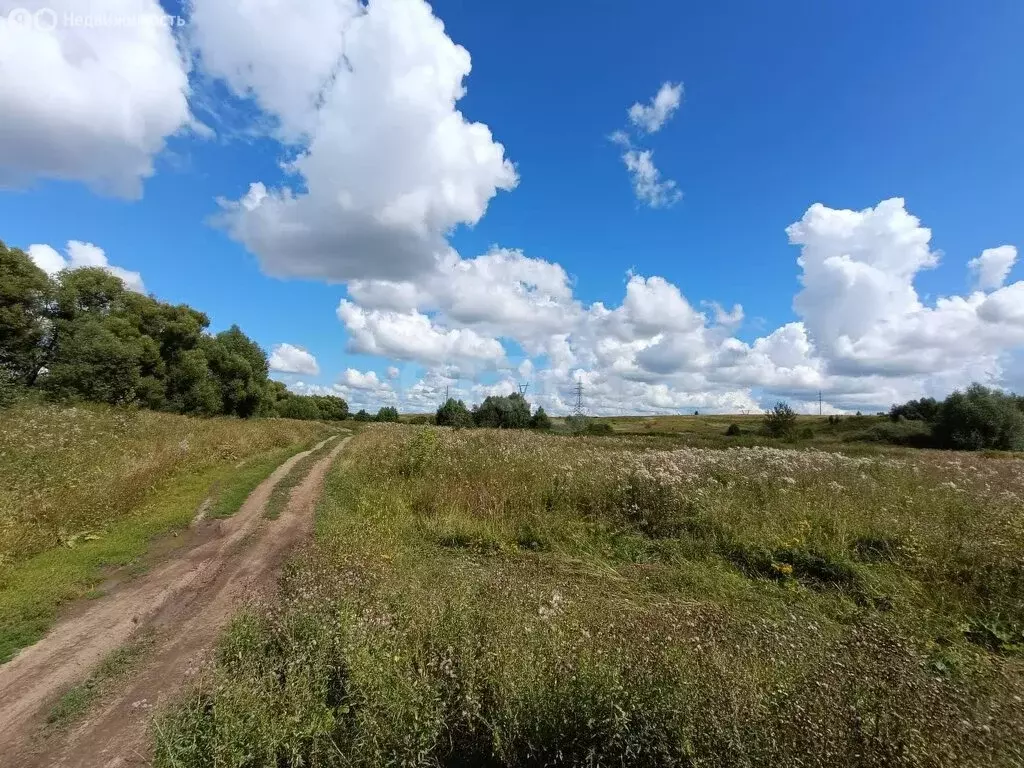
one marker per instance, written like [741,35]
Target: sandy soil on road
[184,600]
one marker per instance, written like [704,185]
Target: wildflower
[784,568]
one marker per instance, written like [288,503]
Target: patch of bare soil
[184,600]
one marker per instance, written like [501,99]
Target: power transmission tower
[578,408]
[523,388]
[819,402]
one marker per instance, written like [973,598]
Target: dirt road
[184,601]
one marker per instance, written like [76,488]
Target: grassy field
[84,489]
[508,598]
[848,433]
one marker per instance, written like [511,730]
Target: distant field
[86,488]
[509,598]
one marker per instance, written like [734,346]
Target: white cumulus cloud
[78,255]
[92,103]
[413,336]
[288,358]
[651,117]
[648,186]
[862,336]
[359,380]
[386,166]
[993,266]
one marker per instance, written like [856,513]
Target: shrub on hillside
[540,419]
[780,421]
[388,414]
[362,415]
[453,414]
[980,418]
[10,390]
[312,407]
[576,423]
[298,408]
[925,409]
[733,430]
[511,412]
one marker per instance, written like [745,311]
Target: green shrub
[599,428]
[733,430]
[980,418]
[362,415]
[912,434]
[925,409]
[512,412]
[10,390]
[453,414]
[540,419]
[298,407]
[780,421]
[387,414]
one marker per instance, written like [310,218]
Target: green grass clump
[496,598]
[283,490]
[77,700]
[85,490]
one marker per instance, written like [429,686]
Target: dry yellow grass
[67,472]
[501,597]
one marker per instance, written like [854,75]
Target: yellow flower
[784,568]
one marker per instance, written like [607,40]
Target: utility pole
[819,402]
[578,409]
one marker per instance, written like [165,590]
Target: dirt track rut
[184,600]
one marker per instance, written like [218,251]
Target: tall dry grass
[67,472]
[500,598]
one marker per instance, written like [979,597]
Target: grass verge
[283,490]
[32,590]
[504,599]
[76,701]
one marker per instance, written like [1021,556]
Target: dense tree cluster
[83,336]
[975,419]
[497,412]
[925,409]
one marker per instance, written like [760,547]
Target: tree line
[975,419]
[497,412]
[82,336]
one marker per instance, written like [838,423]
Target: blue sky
[783,105]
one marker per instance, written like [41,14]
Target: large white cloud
[387,165]
[80,255]
[413,336]
[357,379]
[89,101]
[287,358]
[501,293]
[863,336]
[861,308]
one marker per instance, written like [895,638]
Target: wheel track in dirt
[185,601]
